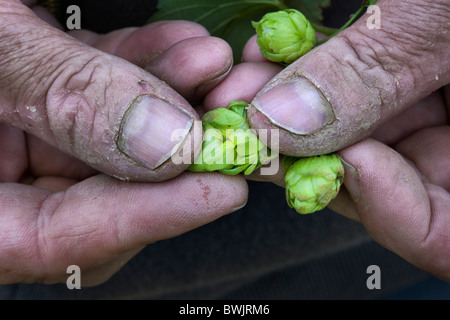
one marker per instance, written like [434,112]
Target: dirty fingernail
[296,106]
[351,180]
[149,130]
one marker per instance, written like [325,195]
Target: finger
[341,91]
[107,112]
[344,205]
[45,232]
[251,52]
[141,45]
[212,56]
[429,150]
[447,100]
[46,160]
[398,210]
[53,183]
[428,112]
[163,49]
[13,151]
[242,83]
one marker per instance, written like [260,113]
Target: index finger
[403,213]
[91,223]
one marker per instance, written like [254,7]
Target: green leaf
[231,20]
[312,9]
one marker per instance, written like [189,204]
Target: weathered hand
[70,110]
[379,99]
[340,92]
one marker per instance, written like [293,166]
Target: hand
[70,110]
[378,98]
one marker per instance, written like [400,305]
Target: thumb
[99,108]
[341,91]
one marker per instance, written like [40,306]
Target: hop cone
[284,36]
[311,183]
[229,145]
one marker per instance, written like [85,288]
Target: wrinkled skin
[368,76]
[390,97]
[396,181]
[69,92]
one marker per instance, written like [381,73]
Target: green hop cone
[312,182]
[284,36]
[229,145]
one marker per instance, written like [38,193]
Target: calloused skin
[397,179]
[57,210]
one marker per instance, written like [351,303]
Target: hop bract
[312,182]
[284,36]
[229,145]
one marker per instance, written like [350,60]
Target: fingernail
[297,106]
[237,208]
[147,130]
[351,180]
[208,85]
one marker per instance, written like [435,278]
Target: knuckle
[403,56]
[75,99]
[417,34]
[371,64]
